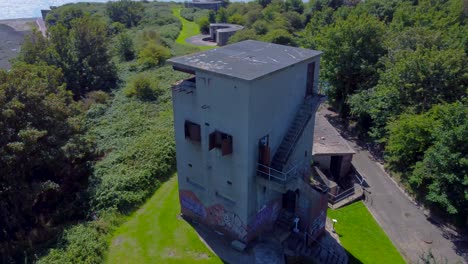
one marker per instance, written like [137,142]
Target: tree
[64,16]
[260,27]
[212,16]
[153,55]
[236,19]
[125,47]
[413,81]
[294,5]
[82,54]
[221,16]
[42,155]
[264,3]
[430,150]
[204,25]
[280,36]
[126,12]
[241,35]
[352,48]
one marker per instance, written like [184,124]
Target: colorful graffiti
[318,225]
[189,201]
[265,217]
[226,220]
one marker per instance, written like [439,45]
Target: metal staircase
[287,146]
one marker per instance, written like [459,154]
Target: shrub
[241,35]
[115,28]
[204,25]
[236,19]
[84,243]
[280,36]
[144,87]
[126,12]
[153,55]
[260,27]
[125,47]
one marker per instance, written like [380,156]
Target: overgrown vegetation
[98,86]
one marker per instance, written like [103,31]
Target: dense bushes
[126,12]
[43,158]
[143,86]
[193,14]
[153,55]
[86,242]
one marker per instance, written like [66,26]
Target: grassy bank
[362,237]
[156,234]
[189,29]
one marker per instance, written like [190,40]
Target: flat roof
[327,141]
[247,60]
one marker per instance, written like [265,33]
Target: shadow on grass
[219,244]
[352,258]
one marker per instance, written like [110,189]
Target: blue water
[10,9]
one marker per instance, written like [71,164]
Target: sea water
[11,9]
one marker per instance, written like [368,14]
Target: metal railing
[341,196]
[273,174]
[297,136]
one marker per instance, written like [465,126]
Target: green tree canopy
[352,48]
[126,12]
[42,156]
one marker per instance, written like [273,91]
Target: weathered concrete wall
[216,104]
[221,32]
[227,221]
[346,165]
[324,163]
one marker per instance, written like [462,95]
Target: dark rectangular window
[221,141]
[192,131]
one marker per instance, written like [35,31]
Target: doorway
[335,166]
[289,201]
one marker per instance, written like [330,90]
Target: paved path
[42,27]
[402,220]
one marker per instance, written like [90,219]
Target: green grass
[362,237]
[155,234]
[189,29]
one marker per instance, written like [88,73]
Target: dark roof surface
[246,60]
[327,140]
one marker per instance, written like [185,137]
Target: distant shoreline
[12,33]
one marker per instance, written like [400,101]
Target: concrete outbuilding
[244,124]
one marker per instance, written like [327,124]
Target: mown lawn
[156,234]
[362,237]
[189,29]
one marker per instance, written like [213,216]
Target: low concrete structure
[331,152]
[221,32]
[204,4]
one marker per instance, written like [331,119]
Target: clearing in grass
[362,237]
[157,234]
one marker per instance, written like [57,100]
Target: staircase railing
[273,174]
[297,136]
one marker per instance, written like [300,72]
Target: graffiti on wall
[317,225]
[265,217]
[189,201]
[226,220]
